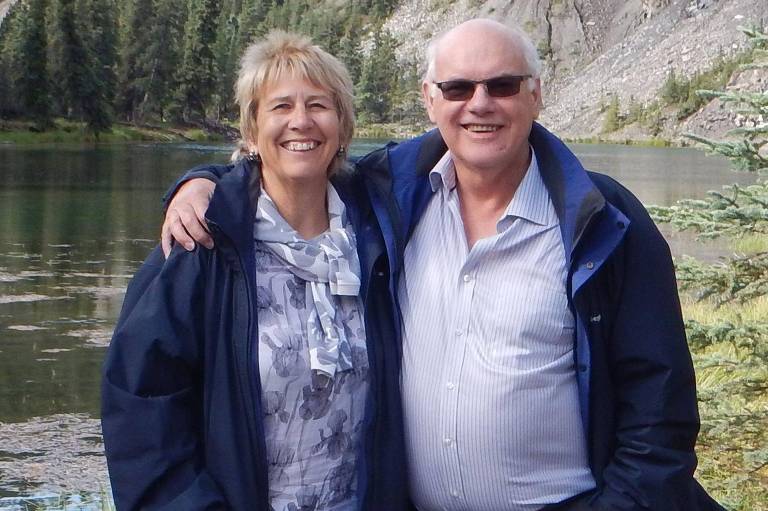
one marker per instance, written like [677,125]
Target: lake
[76,222]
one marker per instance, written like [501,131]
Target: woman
[262,374]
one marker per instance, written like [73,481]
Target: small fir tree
[33,80]
[732,353]
[198,75]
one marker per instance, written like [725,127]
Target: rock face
[595,49]
[4,6]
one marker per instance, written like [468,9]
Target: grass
[23,132]
[750,244]
[389,130]
[650,142]
[734,431]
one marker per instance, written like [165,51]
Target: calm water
[76,222]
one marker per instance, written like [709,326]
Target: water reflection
[76,222]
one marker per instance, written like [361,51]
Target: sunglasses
[497,87]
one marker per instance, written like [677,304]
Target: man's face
[483,133]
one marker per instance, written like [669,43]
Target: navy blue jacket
[181,399]
[636,381]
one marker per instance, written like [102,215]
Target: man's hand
[185,216]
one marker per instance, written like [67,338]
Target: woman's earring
[253,156]
[341,152]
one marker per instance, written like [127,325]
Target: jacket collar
[575,198]
[229,212]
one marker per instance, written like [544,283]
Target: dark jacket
[635,375]
[636,381]
[181,398]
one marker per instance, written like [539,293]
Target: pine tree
[376,79]
[250,24]
[137,40]
[163,57]
[612,118]
[349,53]
[85,91]
[99,28]
[33,80]
[227,55]
[733,418]
[10,43]
[199,73]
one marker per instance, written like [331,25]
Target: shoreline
[21,132]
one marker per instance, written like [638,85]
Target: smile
[481,128]
[300,146]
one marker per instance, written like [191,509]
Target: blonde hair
[281,55]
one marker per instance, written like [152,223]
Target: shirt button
[450,385]
[458,332]
[455,494]
[447,442]
[467,278]
[590,265]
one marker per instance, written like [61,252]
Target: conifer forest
[175,61]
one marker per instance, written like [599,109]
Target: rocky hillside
[604,59]
[597,49]
[4,6]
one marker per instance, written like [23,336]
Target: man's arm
[185,216]
[151,398]
[186,203]
[652,379]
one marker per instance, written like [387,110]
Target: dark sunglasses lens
[457,90]
[504,86]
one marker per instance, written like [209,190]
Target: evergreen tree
[250,24]
[162,57]
[86,92]
[60,97]
[349,53]
[13,36]
[733,419]
[98,24]
[198,75]
[227,55]
[377,79]
[612,119]
[10,44]
[137,40]
[33,81]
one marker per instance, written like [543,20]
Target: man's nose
[300,118]
[480,100]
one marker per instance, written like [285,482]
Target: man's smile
[481,128]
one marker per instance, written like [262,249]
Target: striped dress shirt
[489,385]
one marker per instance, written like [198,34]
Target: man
[544,357]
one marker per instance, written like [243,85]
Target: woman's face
[297,131]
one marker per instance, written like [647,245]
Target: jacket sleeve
[210,172]
[151,391]
[652,378]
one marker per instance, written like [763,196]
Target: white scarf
[329,265]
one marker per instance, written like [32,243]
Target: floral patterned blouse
[313,361]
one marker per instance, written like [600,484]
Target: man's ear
[537,97]
[426,93]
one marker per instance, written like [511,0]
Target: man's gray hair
[521,40]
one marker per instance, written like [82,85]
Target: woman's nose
[300,118]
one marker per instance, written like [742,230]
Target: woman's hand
[185,217]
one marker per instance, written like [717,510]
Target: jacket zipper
[246,364]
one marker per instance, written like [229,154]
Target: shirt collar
[531,201]
[443,174]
